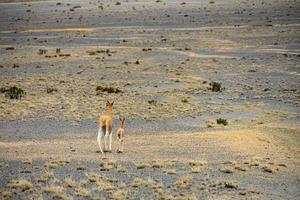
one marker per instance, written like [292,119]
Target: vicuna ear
[112,103]
[120,118]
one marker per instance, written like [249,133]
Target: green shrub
[222,121]
[13,92]
[215,86]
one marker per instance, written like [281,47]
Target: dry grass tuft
[185,197]
[197,169]
[229,162]
[267,169]
[56,191]
[106,166]
[45,177]
[81,167]
[102,183]
[227,184]
[142,166]
[157,164]
[55,164]
[226,170]
[184,182]
[121,169]
[69,183]
[6,194]
[20,184]
[119,195]
[170,171]
[137,182]
[240,168]
[82,192]
[28,162]
[282,165]
[3,164]
[197,163]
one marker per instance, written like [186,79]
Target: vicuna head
[122,122]
[109,106]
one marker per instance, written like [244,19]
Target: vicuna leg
[110,139]
[105,138]
[119,144]
[99,137]
[122,145]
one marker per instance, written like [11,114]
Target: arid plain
[209,90]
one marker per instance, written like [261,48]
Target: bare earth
[157,60]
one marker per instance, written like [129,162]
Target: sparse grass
[69,183]
[229,162]
[54,190]
[102,183]
[267,169]
[106,166]
[121,169]
[22,184]
[240,168]
[3,164]
[82,192]
[254,191]
[56,163]
[6,194]
[142,166]
[197,163]
[254,164]
[137,182]
[170,171]
[81,167]
[197,169]
[119,195]
[45,176]
[185,197]
[282,165]
[184,182]
[28,162]
[83,182]
[157,164]
[227,184]
[226,170]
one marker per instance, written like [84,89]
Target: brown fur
[121,134]
[106,121]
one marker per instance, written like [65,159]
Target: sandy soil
[159,60]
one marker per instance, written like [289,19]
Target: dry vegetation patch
[184,182]
[45,176]
[22,184]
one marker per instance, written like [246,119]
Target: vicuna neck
[110,113]
[122,125]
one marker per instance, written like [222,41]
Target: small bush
[215,86]
[100,89]
[13,92]
[42,51]
[51,90]
[222,121]
[146,49]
